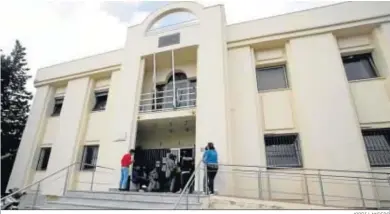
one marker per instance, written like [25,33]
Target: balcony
[172,97]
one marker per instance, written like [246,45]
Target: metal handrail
[184,190]
[46,177]
[359,180]
[313,169]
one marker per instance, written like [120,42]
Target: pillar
[328,125]
[212,103]
[247,139]
[127,86]
[39,111]
[65,149]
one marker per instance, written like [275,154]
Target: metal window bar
[283,151]
[377,143]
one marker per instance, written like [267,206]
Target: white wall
[78,66]
[371,101]
[162,138]
[64,150]
[277,110]
[308,19]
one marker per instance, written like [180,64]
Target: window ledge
[98,111]
[369,79]
[87,170]
[286,168]
[380,167]
[273,90]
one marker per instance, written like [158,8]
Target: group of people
[172,177]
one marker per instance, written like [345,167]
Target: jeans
[124,177]
[211,173]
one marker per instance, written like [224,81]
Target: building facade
[309,89]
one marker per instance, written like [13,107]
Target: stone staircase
[111,200]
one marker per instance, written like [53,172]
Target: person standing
[170,172]
[126,162]
[186,169]
[211,161]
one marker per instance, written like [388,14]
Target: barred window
[377,143]
[283,151]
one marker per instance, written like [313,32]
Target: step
[71,206]
[137,196]
[126,204]
[112,205]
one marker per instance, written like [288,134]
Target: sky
[60,31]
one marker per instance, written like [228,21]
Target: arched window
[178,76]
[172,19]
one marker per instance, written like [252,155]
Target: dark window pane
[89,157]
[359,67]
[57,106]
[271,78]
[169,40]
[101,101]
[377,143]
[44,156]
[283,151]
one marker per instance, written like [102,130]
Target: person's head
[210,146]
[171,156]
[185,154]
[132,151]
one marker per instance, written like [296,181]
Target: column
[127,87]
[328,125]
[247,140]
[65,149]
[381,54]
[212,103]
[39,111]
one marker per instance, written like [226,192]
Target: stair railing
[186,190]
[39,182]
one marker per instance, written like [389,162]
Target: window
[58,101]
[43,160]
[89,157]
[271,78]
[359,67]
[101,100]
[377,143]
[169,40]
[283,151]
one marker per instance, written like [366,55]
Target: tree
[14,107]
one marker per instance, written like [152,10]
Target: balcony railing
[168,100]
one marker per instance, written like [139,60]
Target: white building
[315,82]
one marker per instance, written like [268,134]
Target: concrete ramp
[229,203]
